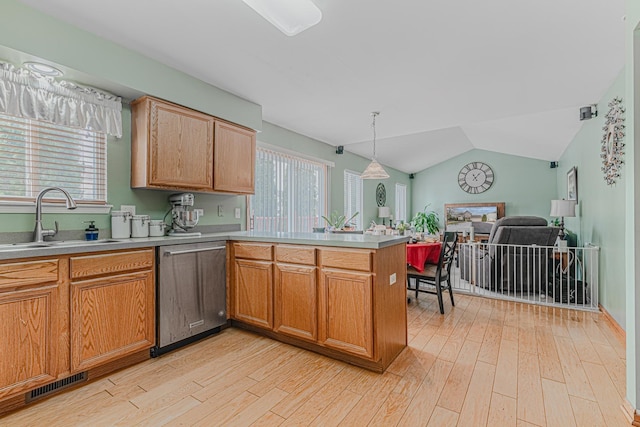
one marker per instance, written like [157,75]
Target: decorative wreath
[612,145]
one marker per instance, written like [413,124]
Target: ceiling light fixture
[289,16]
[44,69]
[375,169]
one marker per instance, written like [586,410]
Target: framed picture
[572,184]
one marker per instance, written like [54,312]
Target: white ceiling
[447,76]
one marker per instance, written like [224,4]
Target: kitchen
[150,77]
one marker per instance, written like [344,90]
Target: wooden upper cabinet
[234,158]
[174,147]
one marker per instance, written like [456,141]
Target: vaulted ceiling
[499,75]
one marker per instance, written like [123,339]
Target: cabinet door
[346,313]
[111,317]
[180,147]
[296,301]
[234,158]
[28,332]
[253,293]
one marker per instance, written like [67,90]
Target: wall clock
[475,177]
[612,145]
[381,195]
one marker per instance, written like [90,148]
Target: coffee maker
[183,216]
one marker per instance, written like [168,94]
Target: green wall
[600,214]
[526,185]
[108,62]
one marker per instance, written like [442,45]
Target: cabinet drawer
[296,254]
[95,265]
[348,259]
[253,251]
[27,273]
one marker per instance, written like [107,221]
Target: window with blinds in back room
[290,193]
[35,155]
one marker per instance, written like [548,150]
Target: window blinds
[353,197]
[35,155]
[401,202]
[290,193]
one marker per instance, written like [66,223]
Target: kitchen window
[290,194]
[353,197]
[53,133]
[35,155]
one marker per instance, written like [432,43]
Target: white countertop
[364,241]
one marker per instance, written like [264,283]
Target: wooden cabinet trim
[111,263]
[17,274]
[348,259]
[296,254]
[258,251]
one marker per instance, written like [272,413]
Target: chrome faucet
[38,233]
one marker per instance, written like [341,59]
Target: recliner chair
[503,268]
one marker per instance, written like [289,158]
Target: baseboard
[630,413]
[619,332]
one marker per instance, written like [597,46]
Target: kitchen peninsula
[342,295]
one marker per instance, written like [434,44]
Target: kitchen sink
[55,243]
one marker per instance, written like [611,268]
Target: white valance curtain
[31,96]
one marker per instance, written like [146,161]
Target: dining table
[421,253]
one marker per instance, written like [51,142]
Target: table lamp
[560,209]
[384,212]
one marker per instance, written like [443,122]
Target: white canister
[156,228]
[140,226]
[120,224]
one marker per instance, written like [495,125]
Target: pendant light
[375,169]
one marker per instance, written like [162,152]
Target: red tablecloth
[420,253]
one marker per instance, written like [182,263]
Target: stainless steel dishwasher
[191,293]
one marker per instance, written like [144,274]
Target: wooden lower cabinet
[72,313]
[29,350]
[111,317]
[346,311]
[296,301]
[253,292]
[347,303]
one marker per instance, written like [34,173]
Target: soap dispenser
[91,232]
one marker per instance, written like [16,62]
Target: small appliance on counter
[183,216]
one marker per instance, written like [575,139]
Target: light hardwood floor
[484,363]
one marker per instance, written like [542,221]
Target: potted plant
[426,221]
[338,221]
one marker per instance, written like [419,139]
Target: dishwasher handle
[190,251]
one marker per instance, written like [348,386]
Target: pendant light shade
[375,169]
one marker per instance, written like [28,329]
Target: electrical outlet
[199,212]
[220,210]
[128,208]
[237,213]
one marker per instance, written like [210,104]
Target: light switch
[219,210]
[237,213]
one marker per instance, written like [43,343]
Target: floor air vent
[48,389]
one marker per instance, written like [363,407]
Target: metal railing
[546,275]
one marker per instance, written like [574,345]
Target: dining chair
[434,275]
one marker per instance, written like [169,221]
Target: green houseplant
[426,221]
[338,221]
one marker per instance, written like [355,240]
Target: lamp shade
[374,171]
[562,208]
[384,212]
